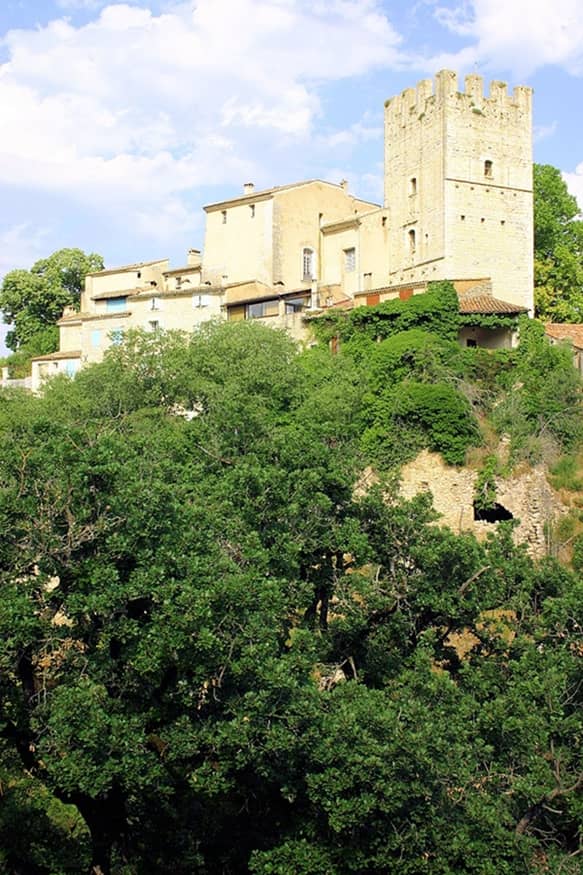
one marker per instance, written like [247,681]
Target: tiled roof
[117,293]
[58,356]
[566,331]
[137,266]
[71,317]
[345,304]
[488,304]
[268,192]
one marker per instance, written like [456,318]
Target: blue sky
[119,121]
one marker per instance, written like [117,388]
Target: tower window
[252,210]
[488,169]
[224,216]
[413,185]
[307,264]
[350,259]
[412,241]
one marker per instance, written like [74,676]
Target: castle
[457,206]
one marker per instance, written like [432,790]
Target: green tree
[558,248]
[215,657]
[32,300]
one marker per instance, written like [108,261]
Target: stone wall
[527,496]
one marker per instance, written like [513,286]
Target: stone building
[457,206]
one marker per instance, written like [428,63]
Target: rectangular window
[154,325]
[252,210]
[199,301]
[296,305]
[488,166]
[308,264]
[71,368]
[116,305]
[261,309]
[116,336]
[350,259]
[155,304]
[96,338]
[236,314]
[224,216]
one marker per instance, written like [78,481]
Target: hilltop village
[457,206]
[271,609]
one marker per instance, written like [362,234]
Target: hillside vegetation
[217,656]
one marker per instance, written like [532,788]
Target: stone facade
[527,496]
[458,206]
[458,184]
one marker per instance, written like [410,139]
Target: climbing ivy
[436,311]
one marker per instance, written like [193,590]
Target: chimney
[248,187]
[193,257]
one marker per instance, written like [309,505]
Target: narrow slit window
[412,241]
[224,216]
[413,185]
[488,169]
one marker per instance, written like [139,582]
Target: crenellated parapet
[432,97]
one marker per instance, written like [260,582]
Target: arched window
[308,272]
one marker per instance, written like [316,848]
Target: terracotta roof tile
[566,331]
[58,356]
[488,304]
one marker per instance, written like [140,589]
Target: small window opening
[308,264]
[155,304]
[502,221]
[384,221]
[224,216]
[154,325]
[350,259]
[471,342]
[482,219]
[413,185]
[139,274]
[252,210]
[495,514]
[488,169]
[412,241]
[463,218]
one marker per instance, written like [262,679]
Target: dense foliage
[32,300]
[218,656]
[558,248]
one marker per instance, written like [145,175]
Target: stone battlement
[428,96]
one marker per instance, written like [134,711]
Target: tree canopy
[558,248]
[217,655]
[33,300]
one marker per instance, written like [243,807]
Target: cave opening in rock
[494,514]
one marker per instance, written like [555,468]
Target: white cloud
[521,36]
[359,132]
[542,132]
[122,113]
[21,245]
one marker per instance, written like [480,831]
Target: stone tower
[458,185]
